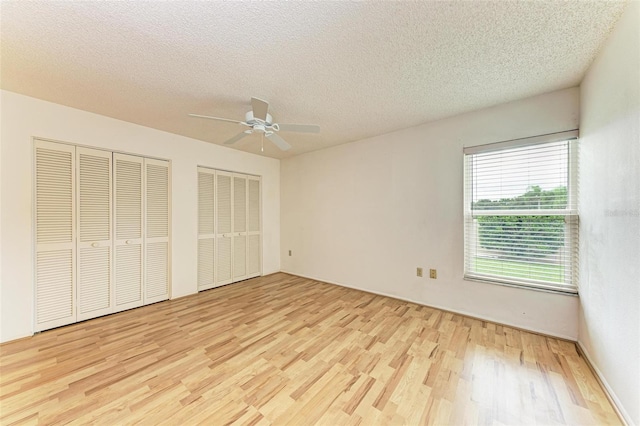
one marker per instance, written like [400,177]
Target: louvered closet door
[224,236]
[127,206]
[94,284]
[254,228]
[55,255]
[239,227]
[158,202]
[206,227]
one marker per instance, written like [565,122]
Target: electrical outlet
[433,274]
[419,272]
[289,252]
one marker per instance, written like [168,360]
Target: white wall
[24,118]
[609,326]
[366,214]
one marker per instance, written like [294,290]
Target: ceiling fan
[258,120]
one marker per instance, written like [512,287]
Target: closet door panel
[223,270]
[239,257]
[128,224]
[224,235]
[239,203]
[157,277]
[55,255]
[206,227]
[157,219]
[206,264]
[239,227]
[94,283]
[254,228]
[128,276]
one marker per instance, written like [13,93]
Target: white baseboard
[613,398]
[443,308]
[16,337]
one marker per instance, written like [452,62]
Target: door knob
[95,245]
[128,242]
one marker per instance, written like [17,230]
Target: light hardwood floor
[287,350]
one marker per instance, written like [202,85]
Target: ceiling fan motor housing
[249,119]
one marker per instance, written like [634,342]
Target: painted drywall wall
[0,217]
[609,317]
[24,118]
[367,213]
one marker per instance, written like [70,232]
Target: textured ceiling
[357,69]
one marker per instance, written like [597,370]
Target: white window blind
[521,221]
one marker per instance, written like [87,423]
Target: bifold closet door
[229,228]
[94,245]
[254,228]
[223,229]
[239,227]
[206,229]
[128,220]
[156,244]
[55,251]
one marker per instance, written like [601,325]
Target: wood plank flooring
[287,350]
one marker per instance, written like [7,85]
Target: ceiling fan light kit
[260,121]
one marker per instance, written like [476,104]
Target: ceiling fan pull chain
[262,141]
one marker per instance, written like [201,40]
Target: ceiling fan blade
[280,143]
[260,108]
[300,128]
[236,138]
[216,118]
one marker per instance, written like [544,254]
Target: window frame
[570,213]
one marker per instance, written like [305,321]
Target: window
[521,222]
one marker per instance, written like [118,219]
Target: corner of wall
[609,319]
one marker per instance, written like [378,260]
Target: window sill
[573,293]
